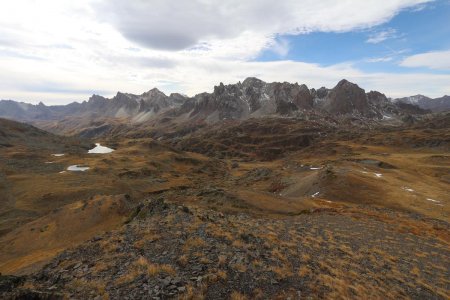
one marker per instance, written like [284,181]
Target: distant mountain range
[435,105]
[248,99]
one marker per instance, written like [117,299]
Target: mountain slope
[25,150]
[16,135]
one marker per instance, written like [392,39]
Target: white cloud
[439,60]
[191,76]
[280,47]
[390,55]
[59,50]
[381,36]
[380,59]
[176,25]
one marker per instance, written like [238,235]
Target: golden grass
[415,270]
[257,263]
[143,266]
[147,237]
[218,232]
[239,267]
[257,294]
[305,257]
[204,260]
[222,275]
[222,260]
[238,244]
[98,286]
[237,296]
[282,272]
[278,254]
[129,276]
[27,247]
[192,243]
[303,271]
[154,269]
[183,260]
[194,293]
[100,266]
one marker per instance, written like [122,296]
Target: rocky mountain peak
[96,98]
[154,93]
[377,97]
[220,89]
[252,82]
[348,98]
[344,83]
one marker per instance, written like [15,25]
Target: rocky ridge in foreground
[169,251]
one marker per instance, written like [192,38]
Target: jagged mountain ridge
[250,98]
[121,105]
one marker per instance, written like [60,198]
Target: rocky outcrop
[251,98]
[348,98]
[170,251]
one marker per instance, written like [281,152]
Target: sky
[60,51]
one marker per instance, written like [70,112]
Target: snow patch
[434,201]
[77,168]
[99,149]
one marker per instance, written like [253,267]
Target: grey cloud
[159,40]
[177,25]
[166,25]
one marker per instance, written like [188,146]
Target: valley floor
[336,219]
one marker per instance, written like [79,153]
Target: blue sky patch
[378,49]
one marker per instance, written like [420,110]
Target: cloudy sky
[59,51]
